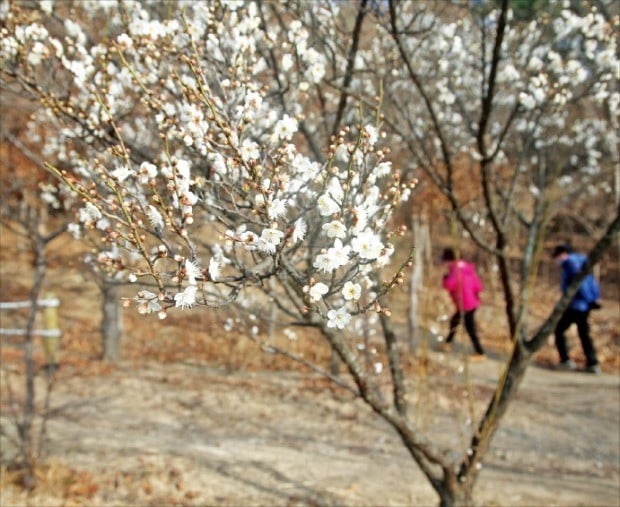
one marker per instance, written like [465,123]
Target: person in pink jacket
[463,285]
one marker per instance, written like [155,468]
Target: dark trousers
[572,316]
[470,326]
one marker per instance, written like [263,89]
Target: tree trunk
[617,187]
[334,363]
[420,235]
[111,324]
[457,497]
[26,429]
[273,312]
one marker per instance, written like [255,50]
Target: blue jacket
[588,290]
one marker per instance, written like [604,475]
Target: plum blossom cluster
[185,168]
[557,78]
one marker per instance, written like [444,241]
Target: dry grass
[56,484]
[198,336]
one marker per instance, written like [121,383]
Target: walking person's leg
[470,326]
[560,337]
[583,329]
[454,322]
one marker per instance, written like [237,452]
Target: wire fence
[51,329]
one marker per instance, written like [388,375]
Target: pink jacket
[463,284]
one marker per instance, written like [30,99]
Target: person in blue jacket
[585,300]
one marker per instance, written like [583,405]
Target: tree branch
[348,75]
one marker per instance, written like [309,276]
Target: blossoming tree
[202,167]
[530,109]
[188,173]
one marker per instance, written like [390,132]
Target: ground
[196,435]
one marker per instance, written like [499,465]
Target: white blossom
[383,169]
[384,258]
[327,206]
[276,209]
[124,41]
[318,290]
[272,236]
[287,62]
[183,168]
[339,254]
[367,245]
[335,229]
[89,213]
[325,263]
[351,291]
[122,173]
[192,271]
[371,134]
[338,318]
[146,172]
[299,230]
[214,269]
[47,6]
[155,219]
[187,298]
[75,230]
[249,150]
[285,128]
[147,302]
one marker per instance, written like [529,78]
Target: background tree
[525,108]
[25,214]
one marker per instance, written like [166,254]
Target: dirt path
[196,435]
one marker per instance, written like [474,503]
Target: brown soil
[194,435]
